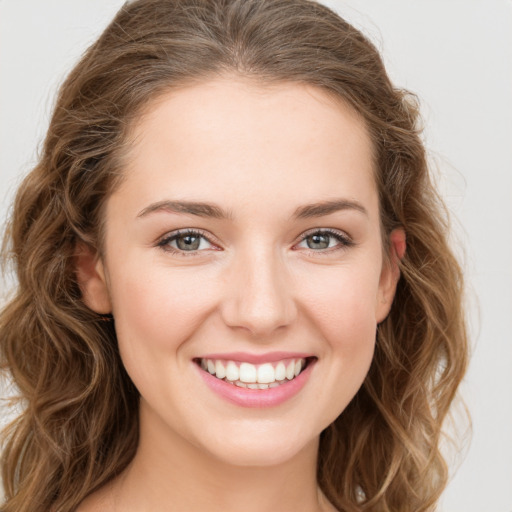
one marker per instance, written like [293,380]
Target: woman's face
[245,239]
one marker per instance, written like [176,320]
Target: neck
[171,474]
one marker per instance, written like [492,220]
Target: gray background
[457,56]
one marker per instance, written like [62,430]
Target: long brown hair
[79,425]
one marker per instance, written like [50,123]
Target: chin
[263,447]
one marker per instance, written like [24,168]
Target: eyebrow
[189,207]
[327,207]
[201,209]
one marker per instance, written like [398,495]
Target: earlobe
[90,275]
[390,273]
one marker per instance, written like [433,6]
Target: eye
[325,240]
[187,241]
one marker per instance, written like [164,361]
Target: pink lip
[258,398]
[269,357]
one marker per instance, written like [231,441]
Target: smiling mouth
[255,376]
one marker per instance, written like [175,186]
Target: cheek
[157,309]
[340,311]
[342,304]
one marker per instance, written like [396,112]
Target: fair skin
[264,278]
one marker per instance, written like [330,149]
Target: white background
[457,56]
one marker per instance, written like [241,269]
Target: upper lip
[247,357]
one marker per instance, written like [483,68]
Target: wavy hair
[79,425]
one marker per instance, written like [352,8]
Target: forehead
[237,138]
[248,106]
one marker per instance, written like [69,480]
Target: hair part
[79,426]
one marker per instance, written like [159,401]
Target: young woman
[235,288]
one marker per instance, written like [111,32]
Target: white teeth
[248,372]
[220,371]
[266,373]
[232,372]
[290,370]
[253,376]
[280,372]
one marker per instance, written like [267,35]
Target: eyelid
[345,241]
[164,240]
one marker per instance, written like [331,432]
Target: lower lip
[258,398]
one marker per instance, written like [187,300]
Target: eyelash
[344,241]
[164,242]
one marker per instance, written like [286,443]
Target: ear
[90,275]
[390,273]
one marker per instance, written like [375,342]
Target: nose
[259,295]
